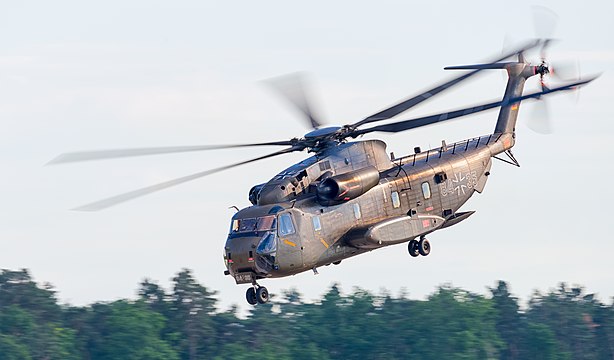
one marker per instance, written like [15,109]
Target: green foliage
[130,331]
[11,349]
[184,323]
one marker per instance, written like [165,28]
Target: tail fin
[518,73]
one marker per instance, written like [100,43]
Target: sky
[119,74]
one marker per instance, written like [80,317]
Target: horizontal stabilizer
[499,65]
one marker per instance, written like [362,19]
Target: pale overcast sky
[81,76]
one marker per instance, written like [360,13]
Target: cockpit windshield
[264,223]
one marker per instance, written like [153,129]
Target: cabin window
[317,226]
[426,190]
[396,200]
[357,214]
[286,227]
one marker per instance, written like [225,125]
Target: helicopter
[352,197]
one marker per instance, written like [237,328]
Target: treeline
[184,324]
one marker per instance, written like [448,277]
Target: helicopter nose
[240,254]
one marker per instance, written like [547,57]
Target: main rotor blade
[120,153]
[413,101]
[108,202]
[432,119]
[294,89]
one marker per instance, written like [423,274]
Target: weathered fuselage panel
[294,182]
[415,195]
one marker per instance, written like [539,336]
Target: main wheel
[262,295]
[250,295]
[412,247]
[424,247]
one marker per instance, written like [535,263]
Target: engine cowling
[344,187]
[254,193]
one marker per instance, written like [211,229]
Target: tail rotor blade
[539,118]
[544,23]
[565,71]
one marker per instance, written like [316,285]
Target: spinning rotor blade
[120,153]
[413,101]
[539,118]
[544,23]
[432,119]
[105,203]
[294,89]
[565,71]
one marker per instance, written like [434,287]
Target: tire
[337,262]
[424,247]
[412,247]
[262,295]
[250,295]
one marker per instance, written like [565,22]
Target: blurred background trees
[184,323]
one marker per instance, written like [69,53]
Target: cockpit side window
[286,227]
[234,226]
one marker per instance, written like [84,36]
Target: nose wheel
[257,295]
[422,247]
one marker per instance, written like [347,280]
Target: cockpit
[253,241]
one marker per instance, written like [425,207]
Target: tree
[568,313]
[190,316]
[127,330]
[18,288]
[11,349]
[509,323]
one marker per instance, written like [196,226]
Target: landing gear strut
[422,247]
[257,294]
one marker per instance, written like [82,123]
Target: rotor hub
[324,132]
[542,69]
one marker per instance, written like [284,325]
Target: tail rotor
[545,21]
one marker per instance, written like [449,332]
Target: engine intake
[254,193]
[344,187]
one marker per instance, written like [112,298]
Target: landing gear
[262,295]
[412,247]
[257,295]
[422,247]
[251,296]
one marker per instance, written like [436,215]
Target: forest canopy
[185,323]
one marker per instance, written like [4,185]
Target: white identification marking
[459,184]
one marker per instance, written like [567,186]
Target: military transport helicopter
[350,197]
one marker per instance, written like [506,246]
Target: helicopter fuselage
[291,229]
